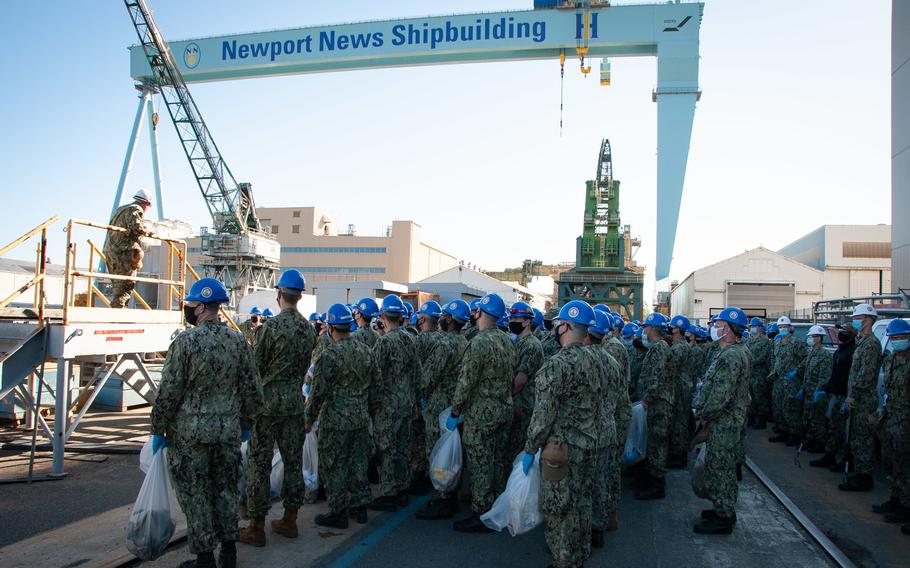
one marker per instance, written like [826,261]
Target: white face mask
[810,341]
[715,335]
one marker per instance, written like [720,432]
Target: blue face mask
[645,341]
[784,331]
[900,345]
[857,325]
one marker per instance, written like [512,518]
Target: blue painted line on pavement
[380,533]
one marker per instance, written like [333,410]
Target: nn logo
[677,26]
[580,26]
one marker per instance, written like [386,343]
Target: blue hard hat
[699,331]
[493,305]
[601,325]
[315,316]
[267,313]
[408,308]
[292,279]
[756,322]
[368,308]
[255,311]
[392,304]
[503,322]
[733,315]
[628,330]
[602,308]
[656,319]
[682,322]
[413,319]
[430,308]
[897,327]
[475,303]
[578,312]
[773,327]
[537,320]
[207,291]
[618,321]
[339,315]
[639,331]
[521,310]
[459,310]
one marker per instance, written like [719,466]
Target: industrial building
[832,261]
[900,144]
[322,248]
[467,283]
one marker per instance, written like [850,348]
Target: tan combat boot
[254,533]
[286,525]
[613,522]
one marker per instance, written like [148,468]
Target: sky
[792,130]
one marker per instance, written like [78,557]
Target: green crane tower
[604,272]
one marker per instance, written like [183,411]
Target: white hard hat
[864,310]
[817,330]
[783,320]
[142,196]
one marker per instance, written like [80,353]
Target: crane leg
[144,99]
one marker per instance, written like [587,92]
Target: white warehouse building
[834,261]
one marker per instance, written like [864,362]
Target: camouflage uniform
[656,387]
[897,423]
[569,400]
[342,394]
[861,387]
[438,377]
[723,404]
[283,349]
[122,251]
[396,373]
[322,341]
[530,359]
[208,393]
[427,343]
[249,332]
[817,373]
[607,437]
[682,403]
[761,349]
[367,335]
[789,355]
[483,396]
[697,352]
[550,345]
[636,358]
[622,417]
[469,331]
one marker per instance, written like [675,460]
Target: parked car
[829,341]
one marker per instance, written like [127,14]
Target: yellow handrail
[39,300]
[91,262]
[26,236]
[224,313]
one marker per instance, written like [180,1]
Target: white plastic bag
[518,508]
[152,521]
[637,438]
[445,459]
[698,472]
[241,483]
[276,479]
[145,456]
[311,461]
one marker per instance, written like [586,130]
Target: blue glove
[527,460]
[819,396]
[422,402]
[307,388]
[158,442]
[791,374]
[245,436]
[844,409]
[799,395]
[452,422]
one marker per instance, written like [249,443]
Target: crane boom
[231,210]
[238,252]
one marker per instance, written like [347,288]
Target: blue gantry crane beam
[668,31]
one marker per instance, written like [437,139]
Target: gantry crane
[236,250]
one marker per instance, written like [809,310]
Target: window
[341,269]
[866,249]
[274,229]
[296,213]
[336,250]
[295,229]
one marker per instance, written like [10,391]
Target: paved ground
[95,500]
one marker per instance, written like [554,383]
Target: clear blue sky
[792,132]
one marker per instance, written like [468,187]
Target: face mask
[629,342]
[637,343]
[645,341]
[516,327]
[857,325]
[900,345]
[784,332]
[753,330]
[810,341]
[254,319]
[444,324]
[190,315]
[556,332]
[715,334]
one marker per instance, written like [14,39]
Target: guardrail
[40,299]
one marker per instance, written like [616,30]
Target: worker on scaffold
[122,250]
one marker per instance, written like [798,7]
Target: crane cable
[562,83]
